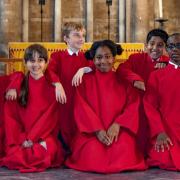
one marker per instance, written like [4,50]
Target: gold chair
[16,49]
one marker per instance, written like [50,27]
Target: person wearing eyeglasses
[162,107]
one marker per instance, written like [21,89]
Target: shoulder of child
[137,56]
[16,75]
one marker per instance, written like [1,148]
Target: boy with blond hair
[65,71]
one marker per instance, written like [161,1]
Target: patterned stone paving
[69,174]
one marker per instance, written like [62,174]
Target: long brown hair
[28,55]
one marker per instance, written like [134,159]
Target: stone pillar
[128,20]
[25,21]
[144,19]
[57,21]
[89,21]
[10,24]
[2,23]
[122,20]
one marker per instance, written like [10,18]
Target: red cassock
[4,80]
[138,68]
[100,101]
[162,106]
[36,122]
[62,67]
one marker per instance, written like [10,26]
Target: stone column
[128,20]
[57,21]
[25,21]
[2,22]
[89,20]
[144,21]
[10,24]
[122,20]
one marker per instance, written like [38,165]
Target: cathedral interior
[124,21]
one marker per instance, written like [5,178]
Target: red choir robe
[162,107]
[4,80]
[100,101]
[36,122]
[62,67]
[138,68]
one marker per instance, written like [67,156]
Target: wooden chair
[10,65]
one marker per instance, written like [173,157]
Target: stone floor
[69,174]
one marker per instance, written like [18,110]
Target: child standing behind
[31,121]
[62,67]
[136,71]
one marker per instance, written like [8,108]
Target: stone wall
[10,23]
[140,16]
[172,13]
[35,21]
[101,20]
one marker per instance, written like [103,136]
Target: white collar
[175,65]
[70,52]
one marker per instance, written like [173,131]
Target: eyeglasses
[172,46]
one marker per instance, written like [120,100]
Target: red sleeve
[52,72]
[129,118]
[126,70]
[15,81]
[85,117]
[14,129]
[164,59]
[4,81]
[151,106]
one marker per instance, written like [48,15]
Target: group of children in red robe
[107,121]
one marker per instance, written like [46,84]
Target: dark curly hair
[114,48]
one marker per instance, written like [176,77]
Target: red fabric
[161,104]
[138,68]
[62,67]
[4,81]
[100,101]
[37,122]
[15,81]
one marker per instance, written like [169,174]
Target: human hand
[77,78]
[113,132]
[103,137]
[60,93]
[160,65]
[11,94]
[139,85]
[163,141]
[27,144]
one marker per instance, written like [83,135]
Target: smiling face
[36,66]
[173,48]
[155,47]
[75,39]
[103,59]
